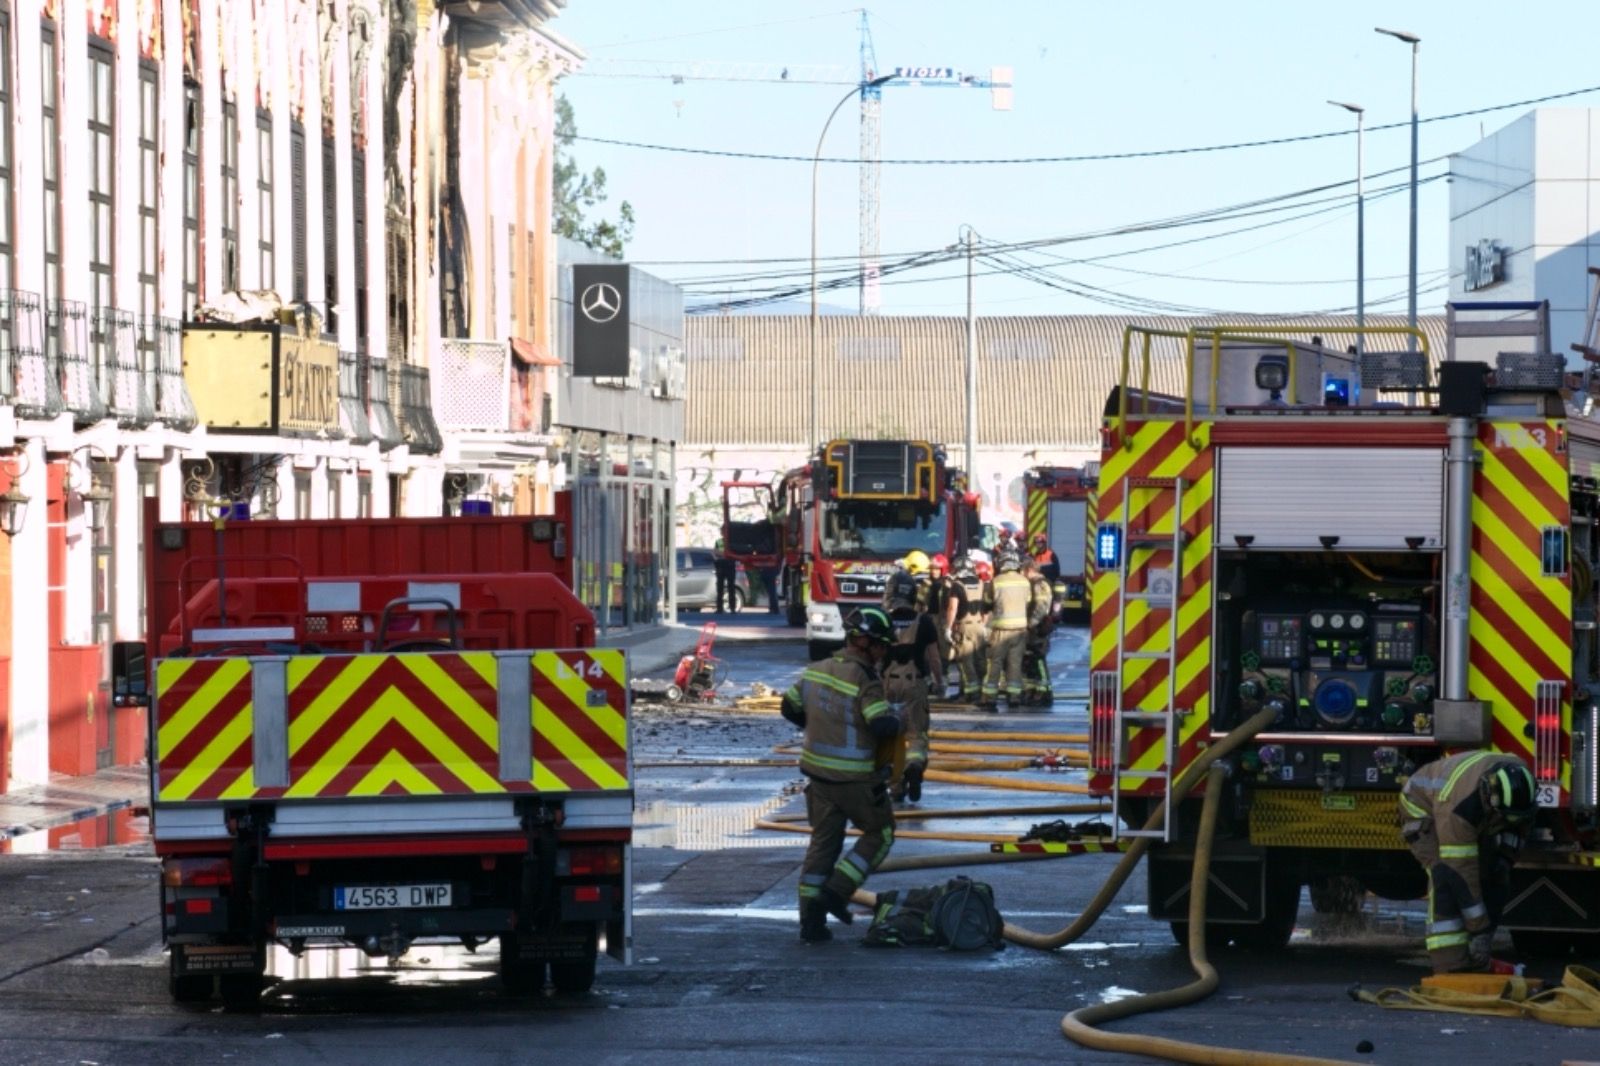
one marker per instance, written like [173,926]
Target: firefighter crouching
[1464,818]
[1008,633]
[840,705]
[1036,691]
[969,635]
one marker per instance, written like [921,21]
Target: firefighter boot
[836,905]
[814,922]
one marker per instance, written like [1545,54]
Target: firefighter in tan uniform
[1463,818]
[969,633]
[1036,691]
[1008,633]
[840,705]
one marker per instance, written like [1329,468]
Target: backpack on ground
[959,915]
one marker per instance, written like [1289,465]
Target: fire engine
[837,525]
[1397,570]
[372,733]
[1061,505]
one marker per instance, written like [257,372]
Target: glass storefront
[622,515]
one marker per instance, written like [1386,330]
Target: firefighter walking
[1036,691]
[969,636]
[1464,817]
[840,705]
[1008,634]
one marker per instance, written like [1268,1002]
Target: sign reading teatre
[308,394]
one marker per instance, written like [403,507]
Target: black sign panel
[599,321]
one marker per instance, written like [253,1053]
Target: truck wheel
[796,609]
[1547,944]
[1216,935]
[574,977]
[1337,894]
[186,988]
[521,977]
[242,991]
[1282,907]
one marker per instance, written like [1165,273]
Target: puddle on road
[130,825]
[709,827]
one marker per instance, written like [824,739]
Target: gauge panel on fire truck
[1278,637]
[1395,640]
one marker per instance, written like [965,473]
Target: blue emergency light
[1108,546]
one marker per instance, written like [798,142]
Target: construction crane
[998,82]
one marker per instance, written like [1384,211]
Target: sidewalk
[659,647]
[64,800]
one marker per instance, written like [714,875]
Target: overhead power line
[1096,157]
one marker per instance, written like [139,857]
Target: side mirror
[130,676]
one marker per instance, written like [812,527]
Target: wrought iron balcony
[163,343]
[416,411]
[118,373]
[384,424]
[355,385]
[67,350]
[27,380]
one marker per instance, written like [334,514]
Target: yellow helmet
[916,563]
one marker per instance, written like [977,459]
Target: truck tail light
[589,861]
[1547,731]
[586,894]
[1103,700]
[195,873]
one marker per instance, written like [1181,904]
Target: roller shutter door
[1370,498]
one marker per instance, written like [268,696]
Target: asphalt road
[719,974]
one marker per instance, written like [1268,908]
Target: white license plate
[847,588]
[387,897]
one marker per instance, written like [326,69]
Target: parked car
[696,581]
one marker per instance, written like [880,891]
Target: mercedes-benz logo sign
[600,302]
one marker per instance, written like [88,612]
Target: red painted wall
[74,671]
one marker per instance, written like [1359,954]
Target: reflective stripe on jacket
[840,695]
[1012,593]
[1444,819]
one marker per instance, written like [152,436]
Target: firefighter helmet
[1511,791]
[985,571]
[1009,563]
[916,563]
[869,622]
[939,562]
[1038,542]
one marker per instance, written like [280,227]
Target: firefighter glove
[1478,950]
[793,710]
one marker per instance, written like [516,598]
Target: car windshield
[880,530]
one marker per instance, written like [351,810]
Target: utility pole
[972,369]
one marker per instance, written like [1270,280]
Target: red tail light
[1103,700]
[1547,730]
[589,861]
[194,873]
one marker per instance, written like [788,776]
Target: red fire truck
[1061,505]
[377,732]
[837,525]
[1393,571]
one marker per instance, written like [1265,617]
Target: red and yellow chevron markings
[580,734]
[1159,449]
[387,725]
[204,738]
[1520,623]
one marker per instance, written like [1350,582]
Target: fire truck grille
[1308,819]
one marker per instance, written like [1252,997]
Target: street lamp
[1361,225]
[1411,302]
[816,164]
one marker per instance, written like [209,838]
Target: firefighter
[1464,817]
[727,571]
[970,635]
[840,705]
[1036,690]
[1049,566]
[1008,633]
[909,671]
[941,608]
[902,591]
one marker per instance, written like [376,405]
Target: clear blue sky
[1089,78]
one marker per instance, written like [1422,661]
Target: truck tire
[242,991]
[1282,907]
[796,608]
[1337,894]
[520,977]
[574,977]
[1549,944]
[186,988]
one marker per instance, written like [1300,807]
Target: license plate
[387,897]
[847,588]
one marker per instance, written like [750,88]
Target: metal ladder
[1165,720]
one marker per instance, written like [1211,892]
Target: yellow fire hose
[1043,738]
[915,813]
[1020,784]
[900,834]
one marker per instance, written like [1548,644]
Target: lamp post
[1361,225]
[816,164]
[1411,301]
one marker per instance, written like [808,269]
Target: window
[102,194]
[297,207]
[330,235]
[49,104]
[5,150]
[358,228]
[191,198]
[230,194]
[103,559]
[149,200]
[264,215]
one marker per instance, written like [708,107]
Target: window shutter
[297,205]
[330,232]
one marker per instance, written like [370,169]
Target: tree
[578,193]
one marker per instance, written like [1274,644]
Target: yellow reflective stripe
[828,762]
[793,693]
[872,710]
[1458,851]
[829,681]
[1466,764]
[1447,940]
[1411,808]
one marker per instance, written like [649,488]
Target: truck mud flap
[1552,898]
[1236,891]
[209,959]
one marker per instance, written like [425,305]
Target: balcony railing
[67,339]
[384,424]
[120,376]
[163,344]
[354,388]
[416,411]
[26,378]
